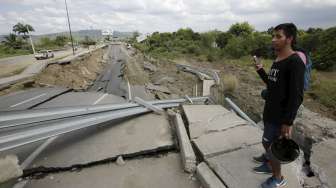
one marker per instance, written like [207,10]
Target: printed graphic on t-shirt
[273,74]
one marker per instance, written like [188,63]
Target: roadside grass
[5,53]
[322,86]
[230,83]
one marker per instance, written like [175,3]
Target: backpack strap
[302,56]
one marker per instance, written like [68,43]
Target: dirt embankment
[160,77]
[79,74]
[238,82]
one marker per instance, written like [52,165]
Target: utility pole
[66,7]
[31,41]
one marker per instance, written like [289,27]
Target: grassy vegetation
[323,88]
[5,52]
[236,46]
[230,83]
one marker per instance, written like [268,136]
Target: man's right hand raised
[257,63]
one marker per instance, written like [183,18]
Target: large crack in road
[111,79]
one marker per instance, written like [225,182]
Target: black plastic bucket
[285,150]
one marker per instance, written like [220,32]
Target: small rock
[51,177]
[165,79]
[150,67]
[120,161]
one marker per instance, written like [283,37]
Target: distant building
[141,38]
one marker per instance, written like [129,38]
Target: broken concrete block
[216,123]
[216,143]
[202,113]
[9,168]
[207,177]
[322,162]
[207,84]
[157,88]
[120,161]
[235,169]
[187,152]
[165,79]
[149,66]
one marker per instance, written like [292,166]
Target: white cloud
[49,16]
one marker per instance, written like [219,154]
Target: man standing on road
[283,98]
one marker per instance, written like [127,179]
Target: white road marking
[28,100]
[100,98]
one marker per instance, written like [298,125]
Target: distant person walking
[283,97]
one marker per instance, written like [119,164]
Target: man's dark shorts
[271,132]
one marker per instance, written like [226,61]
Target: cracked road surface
[143,133]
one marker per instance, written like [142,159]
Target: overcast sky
[49,16]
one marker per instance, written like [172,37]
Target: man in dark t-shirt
[284,96]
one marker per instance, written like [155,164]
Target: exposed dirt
[167,79]
[79,74]
[7,70]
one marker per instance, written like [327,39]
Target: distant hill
[79,35]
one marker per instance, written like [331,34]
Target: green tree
[46,42]
[239,46]
[241,29]
[270,30]
[324,58]
[88,41]
[312,30]
[24,29]
[208,39]
[61,40]
[261,45]
[187,34]
[13,42]
[223,39]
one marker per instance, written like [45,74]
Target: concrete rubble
[322,162]
[207,177]
[152,87]
[228,150]
[150,67]
[187,153]
[10,168]
[164,79]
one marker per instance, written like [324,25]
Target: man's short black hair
[289,29]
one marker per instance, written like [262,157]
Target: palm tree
[24,29]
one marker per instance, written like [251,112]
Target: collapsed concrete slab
[202,113]
[235,169]
[207,177]
[97,143]
[26,99]
[82,98]
[232,139]
[187,152]
[204,119]
[322,162]
[163,172]
[215,123]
